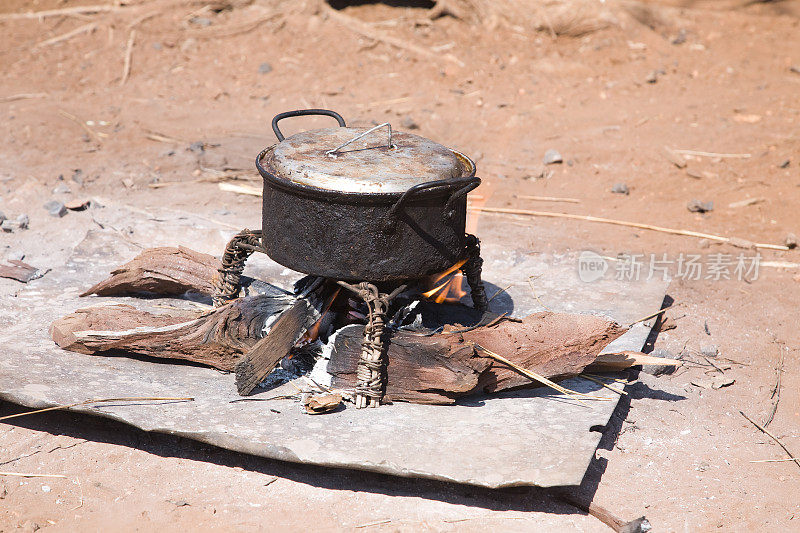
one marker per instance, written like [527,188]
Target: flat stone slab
[522,438]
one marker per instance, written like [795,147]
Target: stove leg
[371,373]
[229,281]
[472,271]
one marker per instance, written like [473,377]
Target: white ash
[320,371]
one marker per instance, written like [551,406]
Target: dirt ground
[196,104]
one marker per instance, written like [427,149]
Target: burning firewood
[264,356]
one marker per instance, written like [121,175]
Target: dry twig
[534,376]
[773,437]
[241,189]
[22,96]
[233,29]
[712,154]
[23,474]
[98,136]
[77,10]
[776,391]
[155,136]
[126,67]
[651,315]
[98,400]
[87,28]
[499,291]
[549,199]
[362,29]
[589,218]
[605,385]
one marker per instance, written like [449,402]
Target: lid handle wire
[335,152]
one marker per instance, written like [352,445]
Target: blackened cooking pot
[358,204]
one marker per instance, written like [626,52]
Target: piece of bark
[166,271]
[322,403]
[439,368]
[217,339]
[422,369]
[19,271]
[613,362]
[554,345]
[264,355]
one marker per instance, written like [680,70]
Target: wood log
[217,339]
[555,345]
[167,271]
[421,369]
[439,368]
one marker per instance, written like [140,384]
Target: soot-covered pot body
[378,208]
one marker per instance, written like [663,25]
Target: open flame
[450,290]
[313,332]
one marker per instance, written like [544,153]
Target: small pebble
[55,208]
[785,164]
[77,176]
[652,77]
[128,183]
[710,350]
[45,488]
[657,370]
[197,146]
[704,244]
[201,21]
[680,38]
[552,157]
[696,206]
[29,527]
[8,226]
[264,68]
[791,241]
[409,123]
[794,69]
[62,189]
[620,188]
[23,221]
[188,45]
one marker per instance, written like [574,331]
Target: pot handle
[471,183]
[304,112]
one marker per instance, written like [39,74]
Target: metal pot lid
[363,160]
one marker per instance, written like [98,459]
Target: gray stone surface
[534,437]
